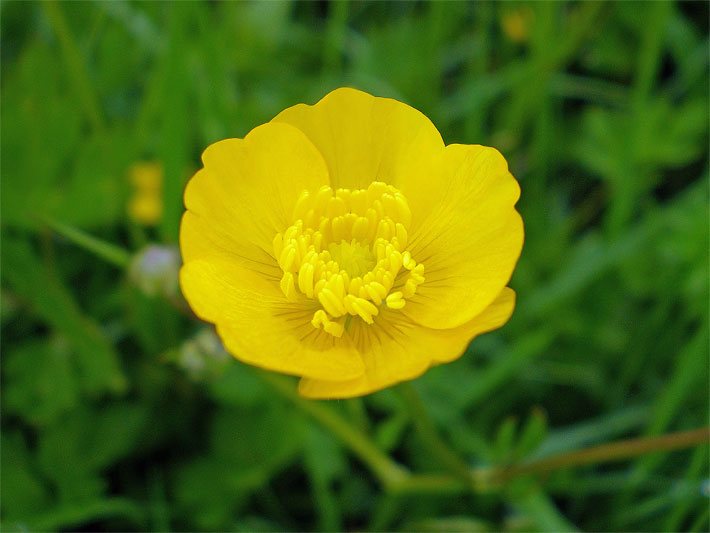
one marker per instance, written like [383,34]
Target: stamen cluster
[347,249]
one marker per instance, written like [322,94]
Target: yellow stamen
[288,286]
[346,250]
[320,319]
[395,300]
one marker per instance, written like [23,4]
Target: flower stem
[387,471]
[597,454]
[430,483]
[607,452]
[109,252]
[430,437]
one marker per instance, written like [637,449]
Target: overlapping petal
[260,327]
[363,138]
[245,194]
[396,349]
[468,233]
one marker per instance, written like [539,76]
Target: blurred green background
[118,413]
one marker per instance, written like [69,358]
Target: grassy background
[118,414]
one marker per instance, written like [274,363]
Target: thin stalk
[358,413]
[335,34]
[109,252]
[430,483]
[430,437]
[608,452]
[75,64]
[387,471]
[614,451]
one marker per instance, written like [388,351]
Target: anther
[345,249]
[395,300]
[320,319]
[288,287]
[407,261]
[331,303]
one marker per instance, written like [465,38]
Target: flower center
[348,250]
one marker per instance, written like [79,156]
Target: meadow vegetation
[119,412]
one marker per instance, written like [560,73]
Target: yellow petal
[245,195]
[260,327]
[365,138]
[466,232]
[492,317]
[395,349]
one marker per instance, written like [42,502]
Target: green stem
[430,436]
[597,454]
[335,34]
[386,470]
[430,483]
[613,451]
[358,414]
[76,66]
[107,251]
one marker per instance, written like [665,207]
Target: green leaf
[452,524]
[23,491]
[80,181]
[389,432]
[533,433]
[533,502]
[41,381]
[505,440]
[67,517]
[595,431]
[238,385]
[96,358]
[73,451]
[249,445]
[325,463]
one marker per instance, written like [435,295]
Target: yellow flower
[516,24]
[345,243]
[146,205]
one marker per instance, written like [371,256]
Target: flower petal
[245,195]
[260,327]
[364,138]
[492,317]
[399,350]
[466,232]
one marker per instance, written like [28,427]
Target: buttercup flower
[146,205]
[516,24]
[345,243]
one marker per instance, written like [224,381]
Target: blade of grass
[627,188]
[75,64]
[69,515]
[694,474]
[108,252]
[429,435]
[175,120]
[534,503]
[613,451]
[592,432]
[335,33]
[387,471]
[54,304]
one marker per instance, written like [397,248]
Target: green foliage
[121,414]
